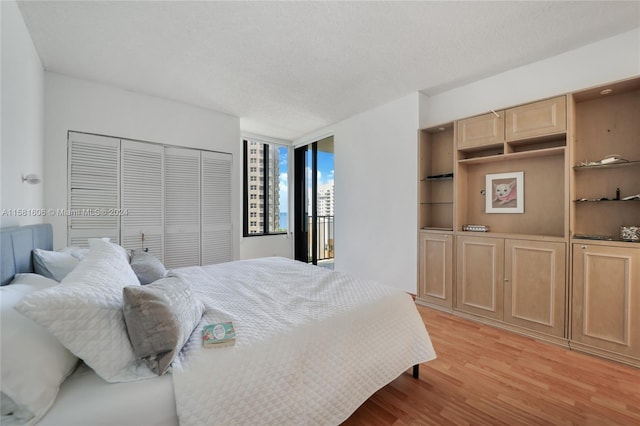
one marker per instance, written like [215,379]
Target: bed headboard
[16,244]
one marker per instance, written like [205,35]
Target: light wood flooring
[486,376]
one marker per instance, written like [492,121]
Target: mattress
[86,399]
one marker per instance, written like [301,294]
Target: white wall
[607,60]
[22,90]
[376,193]
[268,245]
[78,105]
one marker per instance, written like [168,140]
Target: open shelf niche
[436,185]
[606,124]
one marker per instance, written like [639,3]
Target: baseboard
[603,353]
[547,338]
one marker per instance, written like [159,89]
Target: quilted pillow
[34,363]
[147,267]
[160,317]
[85,313]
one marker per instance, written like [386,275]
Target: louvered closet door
[141,197]
[217,245]
[93,176]
[181,207]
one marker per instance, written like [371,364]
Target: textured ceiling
[289,68]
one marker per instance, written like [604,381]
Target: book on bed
[218,335]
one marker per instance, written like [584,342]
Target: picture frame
[504,192]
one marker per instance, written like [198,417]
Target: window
[265,166]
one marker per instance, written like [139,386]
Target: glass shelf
[595,200]
[606,166]
[436,202]
[435,178]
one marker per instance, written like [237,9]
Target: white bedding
[311,344]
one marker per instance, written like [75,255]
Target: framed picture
[505,192]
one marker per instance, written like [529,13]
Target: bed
[311,344]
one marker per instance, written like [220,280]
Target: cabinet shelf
[546,152]
[606,166]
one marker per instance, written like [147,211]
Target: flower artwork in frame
[505,192]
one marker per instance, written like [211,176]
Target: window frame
[264,184]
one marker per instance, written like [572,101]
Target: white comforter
[311,344]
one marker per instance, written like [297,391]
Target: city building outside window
[268,177]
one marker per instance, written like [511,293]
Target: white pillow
[57,264]
[53,264]
[77,252]
[34,362]
[85,313]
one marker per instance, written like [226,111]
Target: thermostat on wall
[475,228]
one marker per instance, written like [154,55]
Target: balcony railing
[325,237]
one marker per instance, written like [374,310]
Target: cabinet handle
[506,280]
[583,247]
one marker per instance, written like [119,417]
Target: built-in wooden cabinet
[606,300]
[559,270]
[435,215]
[436,268]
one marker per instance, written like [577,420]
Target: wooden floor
[486,376]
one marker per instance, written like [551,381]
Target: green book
[218,335]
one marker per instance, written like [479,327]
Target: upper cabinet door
[482,130]
[537,119]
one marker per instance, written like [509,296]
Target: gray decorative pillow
[147,267]
[160,317]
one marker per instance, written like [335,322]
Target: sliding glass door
[314,203]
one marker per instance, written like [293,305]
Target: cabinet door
[181,207]
[487,129]
[537,119]
[217,230]
[94,185]
[141,195]
[436,269]
[534,285]
[606,298]
[479,277]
